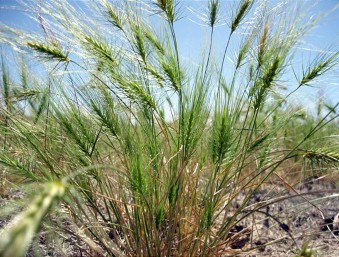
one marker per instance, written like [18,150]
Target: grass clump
[156,154]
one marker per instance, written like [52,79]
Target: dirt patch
[291,220]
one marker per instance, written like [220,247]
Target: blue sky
[193,36]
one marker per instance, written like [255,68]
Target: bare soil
[299,216]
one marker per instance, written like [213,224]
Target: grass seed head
[100,50]
[319,68]
[155,42]
[114,17]
[213,7]
[262,45]
[52,51]
[243,9]
[168,7]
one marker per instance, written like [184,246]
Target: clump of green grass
[156,154]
